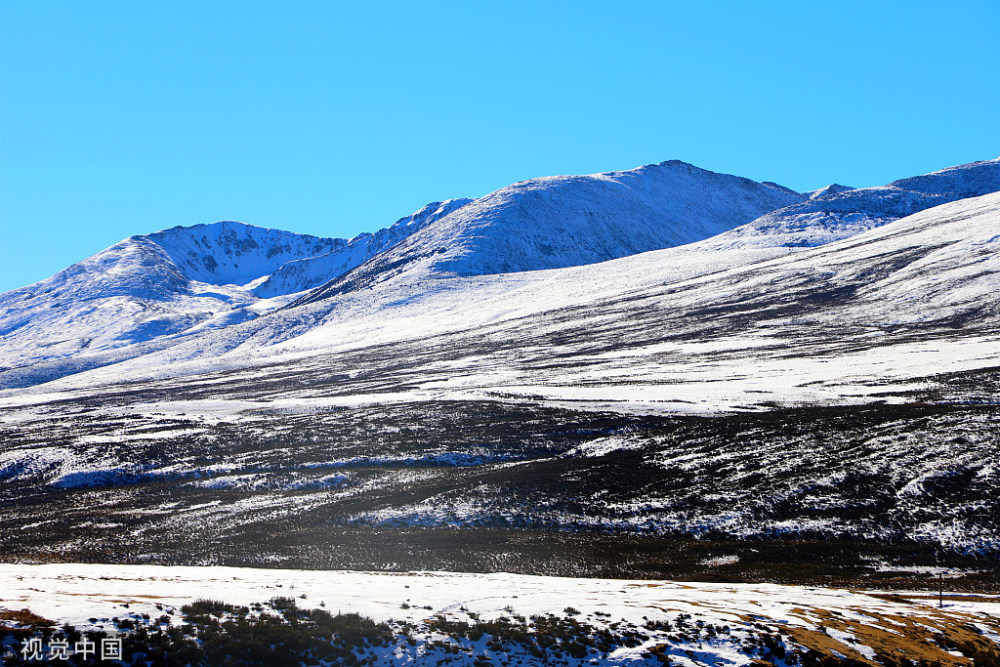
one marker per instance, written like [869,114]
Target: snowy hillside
[143,297]
[151,292]
[233,253]
[146,289]
[562,221]
[669,323]
[157,291]
[837,212]
[303,274]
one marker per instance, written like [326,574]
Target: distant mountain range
[158,290]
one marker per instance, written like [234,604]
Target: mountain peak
[560,221]
[235,253]
[832,189]
[674,164]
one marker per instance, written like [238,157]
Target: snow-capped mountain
[561,221]
[233,253]
[151,291]
[837,211]
[657,327]
[200,291]
[147,288]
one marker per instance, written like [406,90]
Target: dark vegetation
[281,634]
[827,495]
[215,633]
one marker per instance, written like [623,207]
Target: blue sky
[334,118]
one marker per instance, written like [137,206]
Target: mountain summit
[146,288]
[561,221]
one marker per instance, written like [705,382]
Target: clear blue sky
[334,118]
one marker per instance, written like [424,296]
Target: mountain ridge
[96,312]
[837,212]
[597,217]
[310,272]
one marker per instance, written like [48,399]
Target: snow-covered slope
[443,270]
[233,253]
[561,221]
[147,288]
[837,212]
[734,327]
[910,299]
[143,292]
[149,292]
[303,274]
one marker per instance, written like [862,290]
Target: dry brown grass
[923,639]
[23,618]
[21,623]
